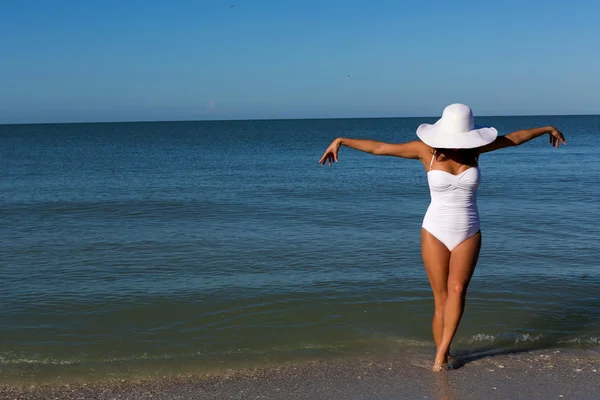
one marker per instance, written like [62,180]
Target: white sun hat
[456,130]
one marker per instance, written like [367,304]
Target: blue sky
[74,61]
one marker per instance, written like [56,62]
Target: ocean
[133,250]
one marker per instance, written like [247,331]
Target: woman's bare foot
[437,367]
[440,363]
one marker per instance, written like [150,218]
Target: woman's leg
[436,258]
[463,260]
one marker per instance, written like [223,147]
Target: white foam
[512,338]
[577,340]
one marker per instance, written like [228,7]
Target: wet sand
[484,374]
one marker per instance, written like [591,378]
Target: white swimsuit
[452,216]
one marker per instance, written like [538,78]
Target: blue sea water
[133,247]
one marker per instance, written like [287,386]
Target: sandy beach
[538,374]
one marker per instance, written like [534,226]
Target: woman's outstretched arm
[414,149]
[525,135]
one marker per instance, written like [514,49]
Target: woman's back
[452,215]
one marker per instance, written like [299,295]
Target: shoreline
[543,374]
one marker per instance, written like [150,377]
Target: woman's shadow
[463,356]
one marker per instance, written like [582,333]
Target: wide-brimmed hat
[456,130]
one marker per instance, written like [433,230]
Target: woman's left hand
[556,137]
[331,154]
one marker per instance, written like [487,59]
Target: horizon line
[279,119]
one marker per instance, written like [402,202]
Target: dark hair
[459,155]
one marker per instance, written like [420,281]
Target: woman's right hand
[331,154]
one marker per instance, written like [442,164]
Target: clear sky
[72,61]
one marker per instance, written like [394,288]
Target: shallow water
[145,245]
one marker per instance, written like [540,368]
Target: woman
[450,236]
